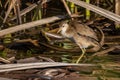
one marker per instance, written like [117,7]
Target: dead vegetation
[29,31]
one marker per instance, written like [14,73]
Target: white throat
[64,28]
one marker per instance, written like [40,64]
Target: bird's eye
[62,25]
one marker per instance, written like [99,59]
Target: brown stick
[9,9]
[67,8]
[4,60]
[17,6]
[103,52]
[30,25]
[54,35]
[117,11]
[34,42]
[111,37]
[24,11]
[109,43]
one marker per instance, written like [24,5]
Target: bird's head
[63,26]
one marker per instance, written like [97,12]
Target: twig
[114,43]
[11,59]
[67,8]
[28,9]
[54,35]
[1,78]
[34,42]
[111,37]
[4,60]
[102,52]
[9,9]
[46,59]
[37,12]
[18,11]
[24,11]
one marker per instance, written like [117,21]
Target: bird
[79,33]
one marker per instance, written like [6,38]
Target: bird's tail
[102,36]
[101,42]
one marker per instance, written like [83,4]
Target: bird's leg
[81,56]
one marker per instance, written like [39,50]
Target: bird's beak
[59,30]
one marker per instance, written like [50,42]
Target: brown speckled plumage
[83,35]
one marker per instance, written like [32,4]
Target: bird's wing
[83,29]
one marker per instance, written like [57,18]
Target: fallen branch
[97,10]
[23,66]
[13,67]
[30,25]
